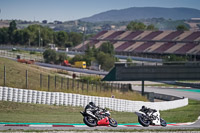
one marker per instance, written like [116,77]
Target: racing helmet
[92,104]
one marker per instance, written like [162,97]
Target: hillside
[134,13]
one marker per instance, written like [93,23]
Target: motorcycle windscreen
[103,122]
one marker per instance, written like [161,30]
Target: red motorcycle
[104,119]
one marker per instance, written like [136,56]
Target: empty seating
[163,48]
[93,42]
[132,35]
[143,47]
[192,37]
[152,35]
[157,42]
[99,34]
[124,46]
[115,34]
[172,36]
[185,48]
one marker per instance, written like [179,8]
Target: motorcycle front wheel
[143,121]
[112,122]
[89,121]
[163,122]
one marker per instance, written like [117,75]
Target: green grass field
[36,113]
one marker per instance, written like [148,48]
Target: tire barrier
[60,98]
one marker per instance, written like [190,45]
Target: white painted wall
[59,98]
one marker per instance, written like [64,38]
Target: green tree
[134,26]
[61,38]
[182,28]
[46,36]
[76,58]
[107,47]
[34,32]
[105,60]
[4,36]
[26,36]
[11,30]
[18,37]
[61,58]
[75,38]
[89,51]
[151,27]
[172,57]
[50,56]
[129,60]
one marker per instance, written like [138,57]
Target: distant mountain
[134,13]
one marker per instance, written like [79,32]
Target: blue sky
[65,10]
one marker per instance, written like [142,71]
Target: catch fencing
[69,99]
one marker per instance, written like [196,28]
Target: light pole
[41,42]
[84,30]
[39,37]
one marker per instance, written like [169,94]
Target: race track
[171,126]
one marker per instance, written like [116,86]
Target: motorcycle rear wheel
[163,122]
[112,122]
[143,121]
[89,121]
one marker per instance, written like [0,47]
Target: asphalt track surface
[101,128]
[190,93]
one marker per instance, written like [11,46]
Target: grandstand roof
[156,42]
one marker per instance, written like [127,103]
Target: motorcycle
[103,119]
[150,117]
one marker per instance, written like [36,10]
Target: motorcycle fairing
[157,116]
[103,122]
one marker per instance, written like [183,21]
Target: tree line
[134,26]
[104,56]
[37,35]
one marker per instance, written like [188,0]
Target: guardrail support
[4,81]
[142,87]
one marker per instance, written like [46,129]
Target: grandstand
[148,42]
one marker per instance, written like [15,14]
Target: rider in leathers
[147,110]
[91,108]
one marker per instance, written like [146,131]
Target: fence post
[26,79]
[67,83]
[104,87]
[92,86]
[87,86]
[73,84]
[100,86]
[40,80]
[96,86]
[4,81]
[82,86]
[78,84]
[55,81]
[48,82]
[111,87]
[61,82]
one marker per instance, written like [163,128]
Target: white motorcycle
[147,116]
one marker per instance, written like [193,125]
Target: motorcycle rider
[146,110]
[91,108]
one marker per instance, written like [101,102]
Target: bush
[50,56]
[171,58]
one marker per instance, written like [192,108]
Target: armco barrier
[59,98]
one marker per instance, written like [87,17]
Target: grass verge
[36,113]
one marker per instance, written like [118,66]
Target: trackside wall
[59,98]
